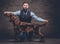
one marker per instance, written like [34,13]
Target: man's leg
[22,36]
[22,33]
[29,35]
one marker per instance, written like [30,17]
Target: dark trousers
[26,35]
[22,34]
[29,35]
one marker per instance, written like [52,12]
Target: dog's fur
[30,26]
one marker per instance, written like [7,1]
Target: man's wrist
[46,21]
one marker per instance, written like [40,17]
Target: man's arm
[13,13]
[38,18]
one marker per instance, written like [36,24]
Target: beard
[25,10]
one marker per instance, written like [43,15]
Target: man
[26,16]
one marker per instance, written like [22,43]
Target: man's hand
[6,13]
[45,22]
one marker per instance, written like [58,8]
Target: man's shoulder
[32,12]
[18,10]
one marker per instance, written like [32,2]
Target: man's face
[25,5]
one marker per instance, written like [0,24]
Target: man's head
[25,5]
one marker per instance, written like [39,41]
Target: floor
[47,41]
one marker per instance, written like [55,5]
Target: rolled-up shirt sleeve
[16,13]
[37,18]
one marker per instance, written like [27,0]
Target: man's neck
[25,10]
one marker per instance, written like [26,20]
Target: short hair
[25,2]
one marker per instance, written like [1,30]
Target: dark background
[47,9]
